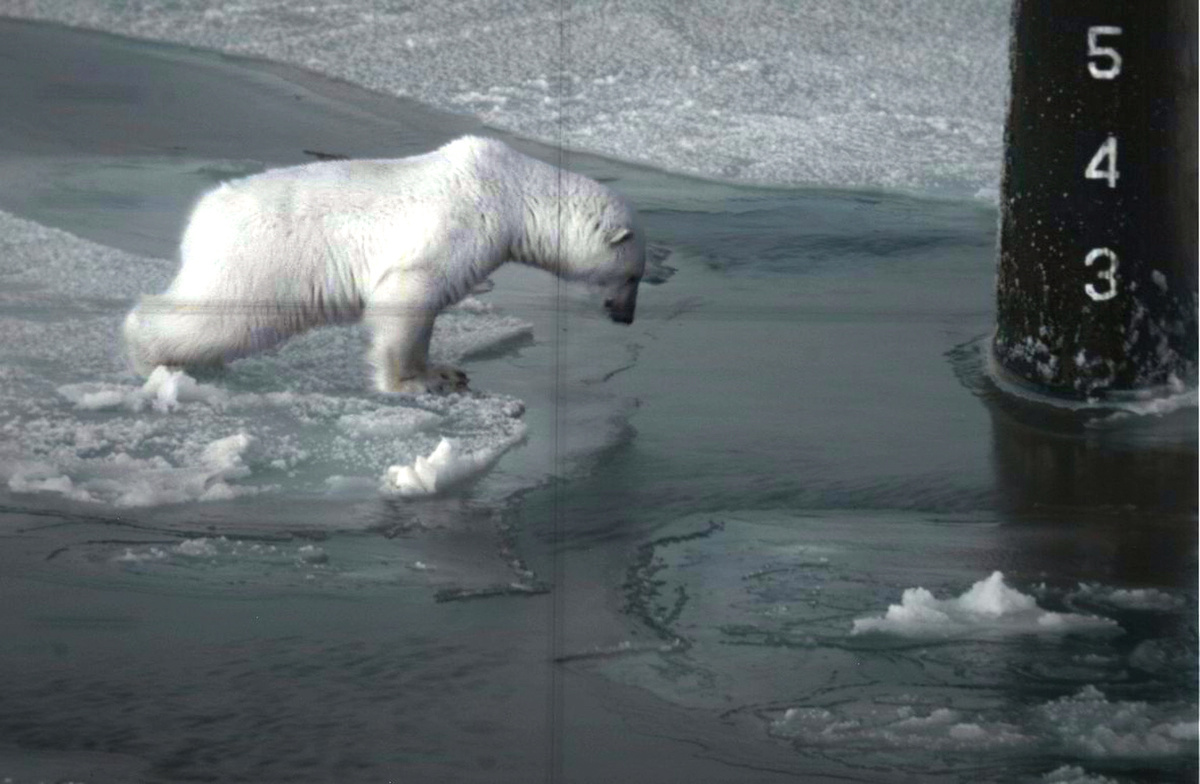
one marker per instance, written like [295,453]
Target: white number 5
[1095,50]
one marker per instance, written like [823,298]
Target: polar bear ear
[619,236]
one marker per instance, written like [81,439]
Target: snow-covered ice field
[886,93]
[783,527]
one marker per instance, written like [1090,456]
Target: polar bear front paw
[437,380]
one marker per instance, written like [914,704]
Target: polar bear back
[338,225]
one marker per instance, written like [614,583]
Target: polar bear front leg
[402,327]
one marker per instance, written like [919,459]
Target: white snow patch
[1089,725]
[968,731]
[40,478]
[392,422]
[1072,774]
[164,391]
[311,555]
[150,554]
[196,548]
[1083,725]
[228,550]
[169,388]
[891,726]
[123,480]
[989,606]
[1146,599]
[447,467]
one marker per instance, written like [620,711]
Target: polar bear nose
[621,304]
[620,313]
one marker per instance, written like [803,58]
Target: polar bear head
[590,234]
[606,248]
[629,248]
[568,224]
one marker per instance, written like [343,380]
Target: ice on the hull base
[446,468]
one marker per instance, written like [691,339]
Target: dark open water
[661,582]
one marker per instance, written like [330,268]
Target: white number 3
[1095,50]
[1109,275]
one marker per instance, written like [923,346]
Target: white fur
[391,241]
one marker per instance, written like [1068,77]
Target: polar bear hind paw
[437,380]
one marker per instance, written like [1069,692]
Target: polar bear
[392,242]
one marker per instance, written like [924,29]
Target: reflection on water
[1131,476]
[1143,466]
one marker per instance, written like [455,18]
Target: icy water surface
[782,527]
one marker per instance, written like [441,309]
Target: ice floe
[449,466]
[989,607]
[1083,726]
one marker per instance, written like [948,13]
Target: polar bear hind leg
[162,331]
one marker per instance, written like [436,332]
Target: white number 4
[1107,154]
[1095,50]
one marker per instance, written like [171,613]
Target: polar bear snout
[621,304]
[622,318]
